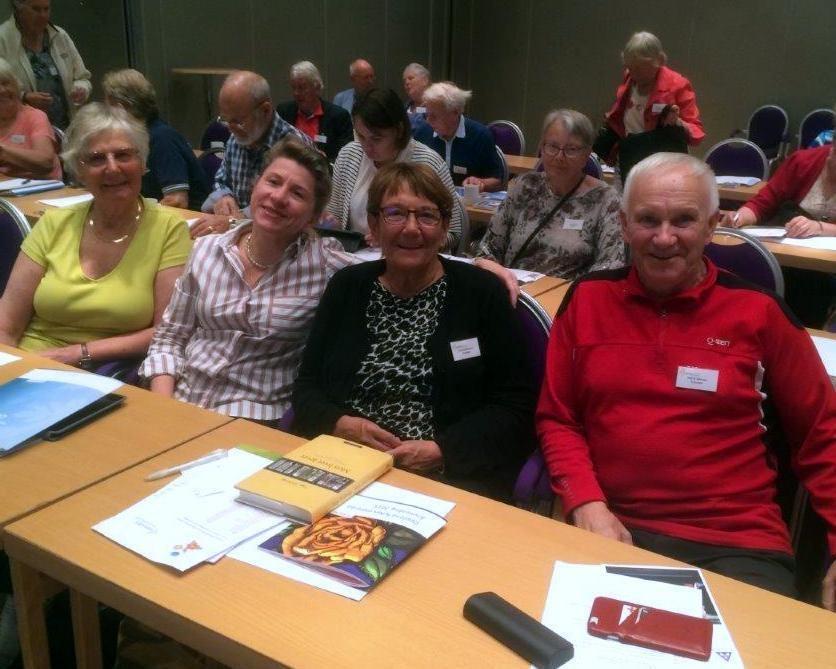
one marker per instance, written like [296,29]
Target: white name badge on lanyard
[465,348]
[17,139]
[697,379]
[573,224]
[420,110]
[321,139]
[458,169]
[658,107]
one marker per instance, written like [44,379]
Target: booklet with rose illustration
[363,540]
[311,480]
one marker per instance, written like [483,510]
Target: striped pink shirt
[232,348]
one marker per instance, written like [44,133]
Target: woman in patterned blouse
[418,355]
[560,221]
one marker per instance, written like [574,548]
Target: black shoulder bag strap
[544,221]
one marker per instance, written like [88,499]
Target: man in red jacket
[650,416]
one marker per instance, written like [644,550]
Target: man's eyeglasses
[121,156]
[427,218]
[241,123]
[553,150]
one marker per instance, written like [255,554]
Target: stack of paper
[736,181]
[68,201]
[682,590]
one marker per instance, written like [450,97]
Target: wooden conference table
[246,617]
[145,426]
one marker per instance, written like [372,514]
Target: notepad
[67,201]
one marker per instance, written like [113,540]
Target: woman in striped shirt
[232,336]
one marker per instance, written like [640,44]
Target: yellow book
[313,479]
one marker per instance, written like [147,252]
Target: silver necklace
[249,251]
[118,240]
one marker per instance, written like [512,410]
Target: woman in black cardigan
[418,355]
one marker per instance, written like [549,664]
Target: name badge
[697,379]
[17,139]
[420,110]
[458,169]
[573,224]
[465,348]
[321,139]
[658,107]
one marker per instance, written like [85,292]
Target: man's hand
[227,206]
[597,518]
[179,199]
[828,589]
[474,181]
[364,431]
[418,455]
[42,101]
[78,95]
[672,117]
[503,273]
[209,224]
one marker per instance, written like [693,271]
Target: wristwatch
[85,361]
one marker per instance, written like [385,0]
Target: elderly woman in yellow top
[91,281]
[27,141]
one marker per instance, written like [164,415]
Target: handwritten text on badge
[697,379]
[465,348]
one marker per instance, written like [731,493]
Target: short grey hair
[255,84]
[306,70]
[643,45]
[355,63]
[417,68]
[8,74]
[448,94]
[668,162]
[574,122]
[133,91]
[95,119]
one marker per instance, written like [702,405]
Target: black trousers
[770,570]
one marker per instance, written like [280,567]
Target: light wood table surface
[143,427]
[521,164]
[247,617]
[818,260]
[543,285]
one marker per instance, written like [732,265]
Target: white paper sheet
[827,351]
[11,184]
[763,231]
[571,592]
[6,358]
[195,517]
[822,243]
[250,552]
[67,201]
[104,384]
[737,181]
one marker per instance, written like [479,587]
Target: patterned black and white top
[583,236]
[394,383]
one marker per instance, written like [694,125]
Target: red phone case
[651,628]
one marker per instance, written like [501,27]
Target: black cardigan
[335,124]
[483,407]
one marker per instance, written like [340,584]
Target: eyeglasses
[121,156]
[241,123]
[553,150]
[427,218]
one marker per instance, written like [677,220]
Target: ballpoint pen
[176,469]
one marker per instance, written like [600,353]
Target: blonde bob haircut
[130,89]
[643,45]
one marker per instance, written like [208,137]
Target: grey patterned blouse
[583,236]
[393,387]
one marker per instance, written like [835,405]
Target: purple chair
[214,137]
[738,158]
[209,162]
[532,490]
[815,122]
[769,129]
[125,370]
[13,228]
[747,258]
[508,137]
[593,167]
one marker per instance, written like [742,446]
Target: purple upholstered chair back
[125,370]
[508,137]
[13,228]
[747,258]
[769,128]
[214,137]
[815,122]
[532,489]
[737,158]
[593,167]
[209,163]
